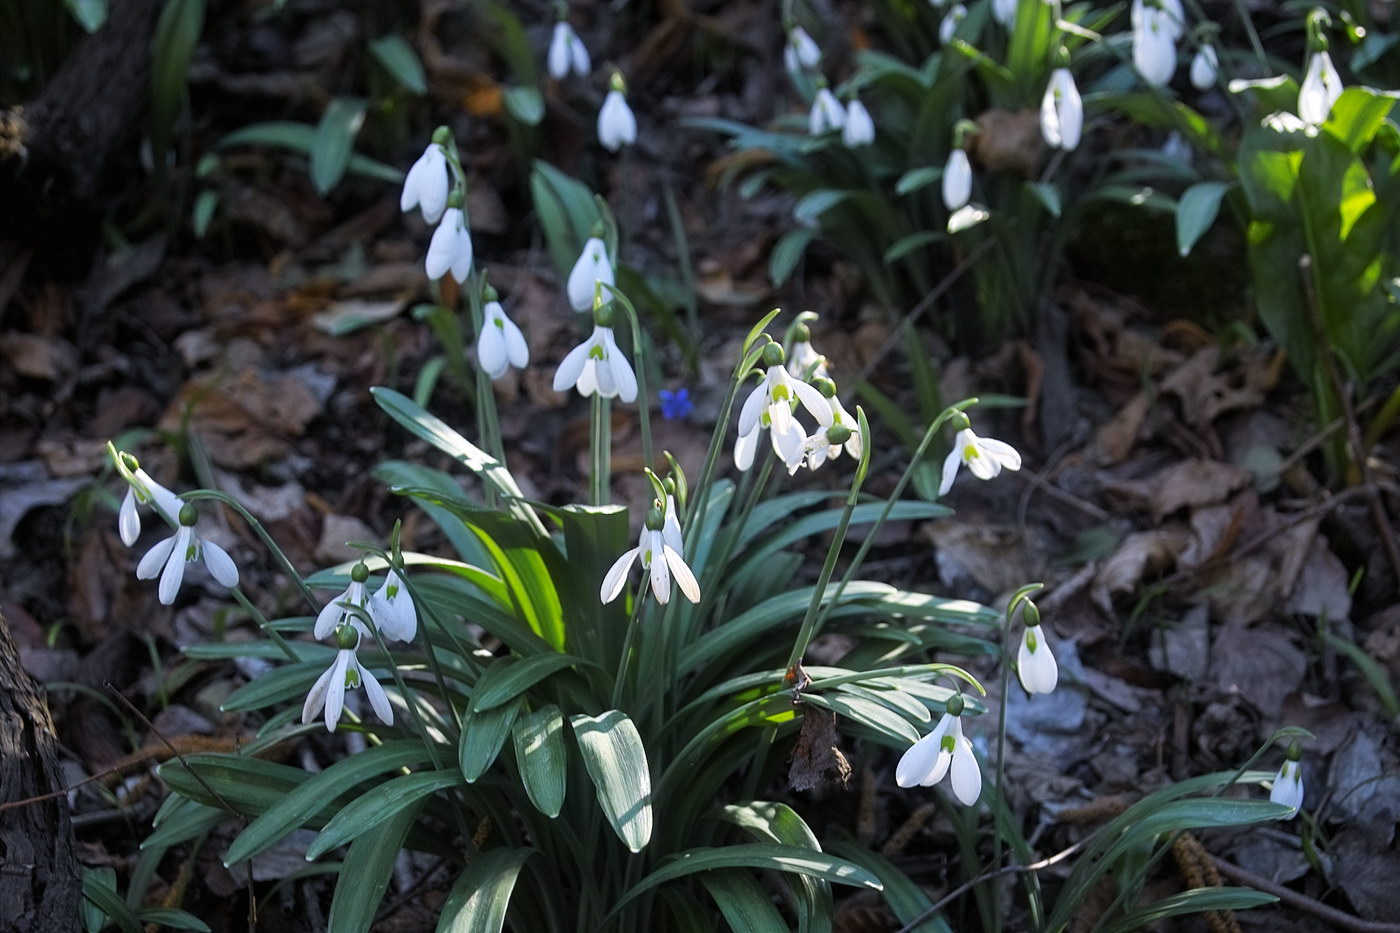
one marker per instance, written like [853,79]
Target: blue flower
[676,405]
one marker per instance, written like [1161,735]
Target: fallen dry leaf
[1262,663]
[1194,483]
[1140,554]
[245,419]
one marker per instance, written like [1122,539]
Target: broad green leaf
[566,211]
[1358,115]
[525,104]
[814,204]
[541,757]
[248,785]
[479,897]
[1194,901]
[506,678]
[100,889]
[593,538]
[299,138]
[1048,194]
[777,822]
[1196,211]
[335,140]
[786,253]
[745,904]
[906,704]
[377,805]
[917,178]
[204,206]
[173,918]
[912,243]
[399,59]
[365,873]
[617,762]
[483,735]
[276,686]
[189,821]
[868,713]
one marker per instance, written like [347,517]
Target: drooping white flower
[145,491]
[859,129]
[806,363]
[567,53]
[1035,663]
[801,51]
[345,673]
[1288,784]
[1154,45]
[392,609]
[617,125]
[957,180]
[501,344]
[1173,17]
[591,267]
[826,443]
[984,456]
[826,113]
[943,750]
[597,366]
[450,250]
[659,547]
[426,184]
[338,611]
[949,24]
[1061,112]
[1320,89]
[1205,66]
[770,405]
[1004,12]
[169,557]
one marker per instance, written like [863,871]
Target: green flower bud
[838,434]
[442,136]
[489,293]
[960,421]
[656,518]
[801,333]
[1295,752]
[825,386]
[1030,614]
[603,314]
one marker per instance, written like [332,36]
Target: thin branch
[1302,902]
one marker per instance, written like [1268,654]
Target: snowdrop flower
[592,266]
[827,443]
[660,550]
[984,456]
[1320,89]
[949,25]
[501,345]
[168,558]
[1061,112]
[426,184]
[1288,784]
[345,673]
[567,53]
[807,363]
[335,614]
[1004,12]
[1035,664]
[392,609]
[451,247]
[770,406]
[859,129]
[826,113]
[1172,16]
[943,750]
[1204,68]
[617,126]
[144,491]
[957,180]
[801,51]
[597,366]
[1154,44]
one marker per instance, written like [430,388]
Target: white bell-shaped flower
[1205,67]
[1061,112]
[1320,89]
[1172,15]
[501,344]
[1004,12]
[949,24]
[145,491]
[957,180]
[659,548]
[1288,783]
[617,125]
[770,406]
[943,750]
[859,129]
[984,456]
[1154,46]
[169,557]
[426,185]
[803,361]
[826,114]
[345,673]
[597,366]
[567,53]
[451,247]
[591,267]
[827,443]
[392,609]
[801,51]
[340,611]
[1035,663]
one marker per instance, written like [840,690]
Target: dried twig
[1302,902]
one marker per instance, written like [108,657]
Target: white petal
[1000,451]
[316,699]
[155,558]
[592,266]
[392,607]
[950,469]
[571,367]
[804,47]
[616,576]
[1319,90]
[660,571]
[491,351]
[442,248]
[462,255]
[582,63]
[1038,671]
[517,350]
[621,371]
[329,616]
[432,191]
[983,466]
[335,691]
[684,578]
[617,126]
[221,566]
[174,572]
[1204,68]
[967,777]
[378,699]
[957,180]
[165,502]
[955,15]
[916,763]
[559,58]
[859,129]
[745,448]
[590,382]
[671,527]
[128,522]
[753,407]
[785,444]
[814,402]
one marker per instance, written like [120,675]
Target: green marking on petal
[780,392]
[192,552]
[947,744]
[352,678]
[596,352]
[1031,642]
[970,453]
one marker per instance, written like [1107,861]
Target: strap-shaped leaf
[507,678]
[745,905]
[868,713]
[905,898]
[1189,902]
[617,762]
[483,734]
[481,894]
[377,805]
[249,785]
[540,754]
[187,822]
[100,890]
[364,875]
[172,917]
[777,822]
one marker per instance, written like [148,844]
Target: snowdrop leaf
[276,686]
[905,898]
[1196,211]
[483,736]
[507,678]
[912,243]
[399,59]
[777,822]
[299,138]
[334,140]
[1358,115]
[1195,901]
[816,203]
[566,211]
[746,906]
[917,178]
[481,894]
[1048,194]
[616,761]
[248,785]
[525,104]
[172,47]
[172,917]
[868,713]
[364,876]
[180,820]
[377,805]
[100,891]
[787,251]
[89,14]
[540,755]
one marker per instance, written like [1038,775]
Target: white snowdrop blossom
[1172,16]
[335,613]
[1205,66]
[801,51]
[450,249]
[1154,44]
[949,25]
[859,129]
[1061,112]
[145,491]
[1288,784]
[425,187]
[957,180]
[943,750]
[827,443]
[984,456]
[567,53]
[591,267]
[659,547]
[1320,89]
[597,366]
[617,125]
[1035,663]
[345,673]
[826,113]
[770,405]
[1004,12]
[806,362]
[392,609]
[501,344]
[168,558]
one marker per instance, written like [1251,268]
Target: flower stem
[600,451]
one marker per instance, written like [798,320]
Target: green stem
[600,450]
[263,624]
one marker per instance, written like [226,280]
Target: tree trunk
[40,889]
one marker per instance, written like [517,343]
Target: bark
[40,887]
